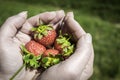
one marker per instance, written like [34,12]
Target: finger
[74,26]
[12,24]
[59,15]
[88,71]
[21,38]
[30,74]
[81,55]
[43,18]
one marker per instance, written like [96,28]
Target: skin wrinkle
[17,41]
[21,36]
[91,59]
[16,25]
[12,21]
[26,28]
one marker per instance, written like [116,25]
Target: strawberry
[44,34]
[50,58]
[52,52]
[32,52]
[35,48]
[58,46]
[62,43]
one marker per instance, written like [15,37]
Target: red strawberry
[35,48]
[52,52]
[58,46]
[62,43]
[44,34]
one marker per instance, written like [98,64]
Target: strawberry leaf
[49,61]
[29,59]
[41,31]
[24,49]
[40,36]
[33,29]
[45,33]
[46,62]
[68,50]
[55,60]
[35,35]
[67,47]
[45,59]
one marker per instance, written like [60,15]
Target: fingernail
[88,38]
[23,14]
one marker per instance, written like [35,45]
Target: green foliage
[106,9]
[106,35]
[106,45]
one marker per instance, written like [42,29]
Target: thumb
[12,24]
[81,55]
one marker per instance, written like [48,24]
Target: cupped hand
[79,66]
[13,33]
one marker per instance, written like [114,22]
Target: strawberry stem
[12,78]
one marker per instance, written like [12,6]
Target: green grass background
[101,18]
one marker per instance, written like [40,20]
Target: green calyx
[49,61]
[41,31]
[68,50]
[29,59]
[64,41]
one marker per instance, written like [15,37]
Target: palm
[79,65]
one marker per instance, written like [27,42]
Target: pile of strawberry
[46,48]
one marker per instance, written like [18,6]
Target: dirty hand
[79,66]
[13,33]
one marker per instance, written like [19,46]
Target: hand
[78,66]
[13,34]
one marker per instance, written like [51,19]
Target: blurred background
[101,18]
